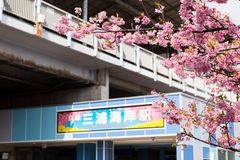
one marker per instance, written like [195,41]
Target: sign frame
[161,120]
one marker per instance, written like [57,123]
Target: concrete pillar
[103,80]
[105,150]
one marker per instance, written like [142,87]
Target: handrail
[54,7]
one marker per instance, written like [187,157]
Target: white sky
[232,8]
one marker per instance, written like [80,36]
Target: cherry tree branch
[185,133]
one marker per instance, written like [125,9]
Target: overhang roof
[125,8]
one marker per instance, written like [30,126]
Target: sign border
[138,105]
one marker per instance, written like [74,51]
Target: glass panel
[221,155]
[205,153]
[231,156]
[23,154]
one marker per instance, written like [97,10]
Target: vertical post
[69,36]
[121,54]
[1,10]
[206,91]
[211,156]
[105,150]
[195,86]
[85,10]
[38,6]
[155,67]
[170,77]
[38,18]
[95,45]
[137,58]
[86,151]
[178,150]
[184,85]
[182,154]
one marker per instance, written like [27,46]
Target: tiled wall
[39,123]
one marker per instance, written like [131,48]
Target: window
[206,155]
[231,155]
[221,155]
[225,155]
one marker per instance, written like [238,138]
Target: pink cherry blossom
[145,20]
[78,10]
[205,45]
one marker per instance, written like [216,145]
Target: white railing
[22,8]
[139,57]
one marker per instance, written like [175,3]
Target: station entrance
[144,151]
[121,152]
[50,153]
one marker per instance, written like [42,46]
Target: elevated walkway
[130,62]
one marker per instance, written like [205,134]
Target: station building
[67,99]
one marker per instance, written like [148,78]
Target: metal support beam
[85,10]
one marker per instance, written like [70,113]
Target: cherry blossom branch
[128,30]
[229,49]
[211,30]
[184,133]
[228,138]
[216,20]
[157,29]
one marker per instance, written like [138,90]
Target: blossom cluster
[206,45]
